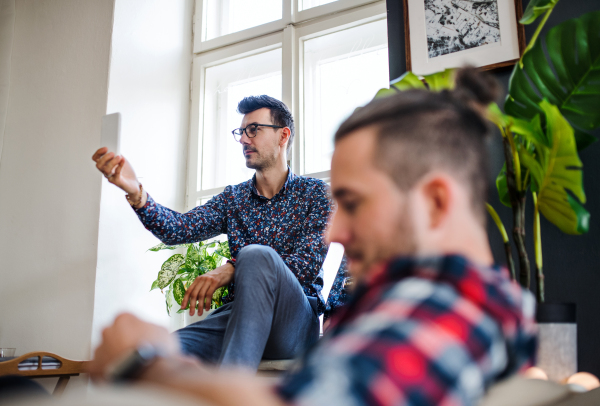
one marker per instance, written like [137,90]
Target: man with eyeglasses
[274,224]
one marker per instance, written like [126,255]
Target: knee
[255,252]
[256,259]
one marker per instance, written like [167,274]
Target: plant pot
[557,339]
[187,319]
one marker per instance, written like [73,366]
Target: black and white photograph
[443,34]
[456,25]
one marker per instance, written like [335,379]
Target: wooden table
[47,365]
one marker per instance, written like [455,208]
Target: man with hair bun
[274,224]
[432,321]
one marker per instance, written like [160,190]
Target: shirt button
[269,202]
[267,229]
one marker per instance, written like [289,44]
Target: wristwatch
[131,365]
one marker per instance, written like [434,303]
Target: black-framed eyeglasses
[251,130]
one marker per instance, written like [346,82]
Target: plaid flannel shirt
[292,223]
[434,331]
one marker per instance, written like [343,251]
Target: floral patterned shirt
[430,331]
[292,223]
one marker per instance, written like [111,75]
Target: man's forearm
[223,388]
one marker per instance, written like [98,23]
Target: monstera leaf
[536,8]
[570,80]
[169,269]
[509,126]
[435,82]
[555,169]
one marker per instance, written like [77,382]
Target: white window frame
[289,33]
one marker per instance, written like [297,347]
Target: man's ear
[285,136]
[438,196]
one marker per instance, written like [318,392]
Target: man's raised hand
[117,170]
[202,289]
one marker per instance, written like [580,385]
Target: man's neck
[467,239]
[270,181]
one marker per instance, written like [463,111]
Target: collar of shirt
[288,181]
[452,269]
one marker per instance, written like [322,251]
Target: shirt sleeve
[171,227]
[310,249]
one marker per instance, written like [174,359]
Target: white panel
[150,86]
[7,25]
[49,188]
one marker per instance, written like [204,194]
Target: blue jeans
[270,318]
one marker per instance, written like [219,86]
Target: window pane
[306,4]
[341,71]
[222,162]
[223,17]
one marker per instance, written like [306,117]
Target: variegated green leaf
[169,269]
[162,246]
[223,250]
[178,291]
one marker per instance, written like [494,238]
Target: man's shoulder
[306,184]
[242,187]
[443,282]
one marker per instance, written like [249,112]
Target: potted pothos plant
[179,271]
[552,104]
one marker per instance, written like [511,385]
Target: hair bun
[476,86]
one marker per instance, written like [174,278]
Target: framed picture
[444,34]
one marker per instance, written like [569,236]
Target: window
[225,85]
[340,72]
[223,17]
[322,58]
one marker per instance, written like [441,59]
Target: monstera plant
[552,103]
[179,271]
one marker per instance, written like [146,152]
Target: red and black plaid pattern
[434,331]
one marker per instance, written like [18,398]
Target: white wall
[7,27]
[49,190]
[149,84]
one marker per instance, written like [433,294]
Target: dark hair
[419,131]
[280,115]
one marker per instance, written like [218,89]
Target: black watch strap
[131,366]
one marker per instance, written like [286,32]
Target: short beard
[402,243]
[261,162]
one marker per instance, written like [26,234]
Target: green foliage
[162,246]
[555,168]
[552,102]
[168,270]
[569,77]
[502,186]
[552,166]
[178,272]
[536,8]
[435,82]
